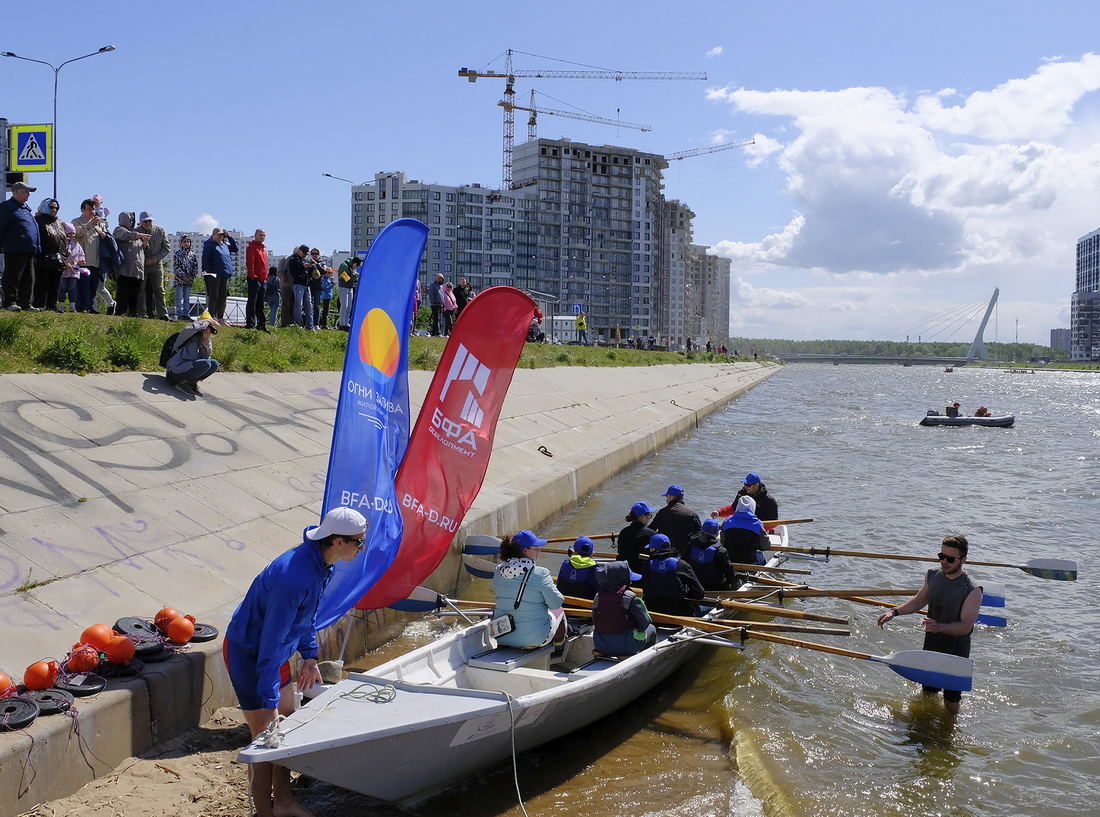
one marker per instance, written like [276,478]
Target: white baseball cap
[339,522]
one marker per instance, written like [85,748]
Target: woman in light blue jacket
[527,593]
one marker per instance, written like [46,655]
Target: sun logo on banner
[379,345]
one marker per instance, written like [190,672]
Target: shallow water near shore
[781,731]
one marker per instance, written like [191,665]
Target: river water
[784,732]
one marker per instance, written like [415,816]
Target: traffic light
[12,178]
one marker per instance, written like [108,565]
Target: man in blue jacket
[20,243]
[277,618]
[217,268]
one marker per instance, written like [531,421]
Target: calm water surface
[781,731]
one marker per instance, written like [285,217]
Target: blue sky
[910,157]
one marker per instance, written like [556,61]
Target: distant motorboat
[934,418]
[949,369]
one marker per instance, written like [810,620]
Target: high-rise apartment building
[596,216]
[1084,322]
[707,297]
[671,295]
[584,227]
[1060,339]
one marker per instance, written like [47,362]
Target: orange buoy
[165,617]
[41,675]
[7,688]
[181,630]
[120,650]
[83,658]
[97,635]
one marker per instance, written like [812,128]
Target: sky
[909,158]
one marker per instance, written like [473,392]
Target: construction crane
[686,154]
[509,76]
[532,121]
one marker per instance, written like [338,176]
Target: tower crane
[532,121]
[686,154]
[508,103]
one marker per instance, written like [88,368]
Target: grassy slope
[49,342]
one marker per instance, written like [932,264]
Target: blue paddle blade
[991,620]
[413,606]
[932,669]
[479,545]
[476,566]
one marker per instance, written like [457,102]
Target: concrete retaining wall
[120,496]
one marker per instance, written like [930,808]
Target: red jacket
[255,258]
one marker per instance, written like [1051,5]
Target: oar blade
[420,600]
[478,567]
[1060,570]
[932,669]
[480,545]
[991,620]
[993,594]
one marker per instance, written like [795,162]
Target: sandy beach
[195,775]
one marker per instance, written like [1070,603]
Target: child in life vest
[577,575]
[620,620]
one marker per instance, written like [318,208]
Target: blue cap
[752,479]
[710,526]
[584,546]
[674,490]
[659,542]
[525,539]
[641,509]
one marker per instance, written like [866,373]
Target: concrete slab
[188,500]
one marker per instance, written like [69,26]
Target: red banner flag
[451,443]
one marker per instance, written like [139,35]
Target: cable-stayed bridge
[951,319]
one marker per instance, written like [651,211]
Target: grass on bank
[81,343]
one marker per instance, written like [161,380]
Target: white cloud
[1036,107]
[1005,179]
[205,223]
[715,52]
[750,297]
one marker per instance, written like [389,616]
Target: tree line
[1021,352]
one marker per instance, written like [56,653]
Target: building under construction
[582,227]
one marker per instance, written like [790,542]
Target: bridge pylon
[977,348]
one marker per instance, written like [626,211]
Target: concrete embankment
[120,496]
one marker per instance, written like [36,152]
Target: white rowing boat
[442,713]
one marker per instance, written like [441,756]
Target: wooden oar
[590,536]
[778,612]
[585,605]
[989,619]
[774,523]
[803,592]
[425,600]
[1062,570]
[489,546]
[932,669]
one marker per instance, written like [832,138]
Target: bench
[505,659]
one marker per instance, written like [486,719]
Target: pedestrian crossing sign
[31,148]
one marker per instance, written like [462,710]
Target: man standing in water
[953,603]
[277,618]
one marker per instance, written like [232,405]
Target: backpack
[169,348]
[110,255]
[282,270]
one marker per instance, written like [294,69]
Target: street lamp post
[56,70]
[341,179]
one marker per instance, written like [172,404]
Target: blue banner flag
[371,432]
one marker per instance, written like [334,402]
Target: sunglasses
[943,557]
[358,542]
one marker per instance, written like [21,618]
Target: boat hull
[456,710]
[1003,421]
